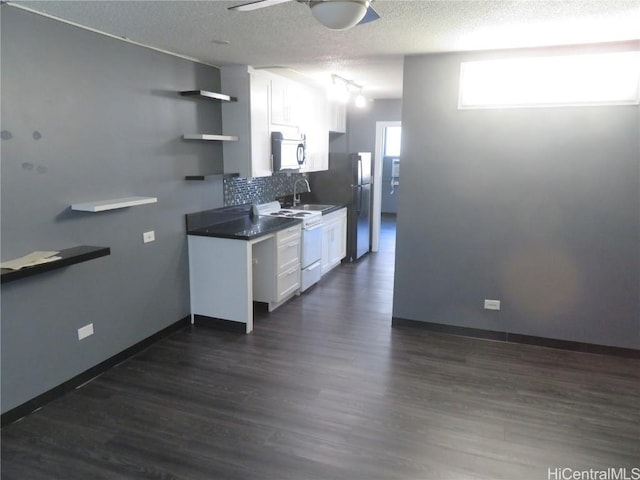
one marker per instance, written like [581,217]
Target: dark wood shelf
[70,256]
[210,175]
[208,95]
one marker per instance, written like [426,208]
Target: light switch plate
[149,236]
[492,304]
[86,331]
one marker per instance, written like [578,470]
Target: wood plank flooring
[325,389]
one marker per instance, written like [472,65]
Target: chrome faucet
[296,196]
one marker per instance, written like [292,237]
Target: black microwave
[288,152]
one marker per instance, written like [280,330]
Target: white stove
[311,239]
[309,218]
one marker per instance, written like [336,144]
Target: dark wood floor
[325,389]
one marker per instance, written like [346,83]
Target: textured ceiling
[286,35]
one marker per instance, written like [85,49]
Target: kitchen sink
[313,207]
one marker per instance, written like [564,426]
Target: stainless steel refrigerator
[348,182]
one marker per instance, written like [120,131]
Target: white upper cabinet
[316,129]
[337,116]
[303,108]
[267,103]
[249,119]
[287,102]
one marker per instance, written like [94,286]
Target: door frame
[377,182]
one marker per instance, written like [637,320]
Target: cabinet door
[334,246]
[278,94]
[260,136]
[288,264]
[316,129]
[337,117]
[265,270]
[293,104]
[248,118]
[334,240]
[326,245]
[321,156]
[285,102]
[288,282]
[341,235]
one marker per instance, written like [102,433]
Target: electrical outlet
[149,236]
[492,304]
[86,331]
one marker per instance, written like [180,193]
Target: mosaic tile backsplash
[238,191]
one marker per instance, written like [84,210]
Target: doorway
[386,183]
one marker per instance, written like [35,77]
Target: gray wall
[361,126]
[538,208]
[109,121]
[361,123]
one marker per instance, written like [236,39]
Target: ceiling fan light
[339,14]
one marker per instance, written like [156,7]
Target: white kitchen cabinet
[334,239]
[220,272]
[315,127]
[297,108]
[248,118]
[276,268]
[267,103]
[287,102]
[337,116]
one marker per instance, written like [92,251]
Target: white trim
[100,32]
[377,182]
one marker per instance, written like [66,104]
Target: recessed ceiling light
[221,42]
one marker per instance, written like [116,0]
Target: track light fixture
[342,89]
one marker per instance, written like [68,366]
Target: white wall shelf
[208,95]
[209,137]
[112,204]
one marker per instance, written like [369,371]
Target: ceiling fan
[333,14]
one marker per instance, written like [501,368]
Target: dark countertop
[235,223]
[333,209]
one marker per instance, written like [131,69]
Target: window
[392,141]
[599,79]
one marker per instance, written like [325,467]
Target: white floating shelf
[208,95]
[207,136]
[112,204]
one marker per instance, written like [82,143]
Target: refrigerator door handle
[359,204]
[360,168]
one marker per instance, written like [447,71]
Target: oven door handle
[313,227]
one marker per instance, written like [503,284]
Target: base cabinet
[220,278]
[276,268]
[334,239]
